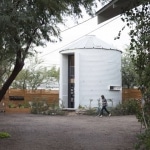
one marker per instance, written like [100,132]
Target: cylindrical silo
[90,68]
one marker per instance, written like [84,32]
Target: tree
[52,77]
[138,19]
[5,69]
[29,78]
[25,24]
[33,75]
[129,76]
[20,81]
[54,72]
[36,78]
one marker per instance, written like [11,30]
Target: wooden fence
[18,96]
[131,94]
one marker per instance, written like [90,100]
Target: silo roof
[88,42]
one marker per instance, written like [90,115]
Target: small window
[114,88]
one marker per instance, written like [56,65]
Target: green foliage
[131,106]
[42,107]
[90,111]
[81,107]
[11,105]
[33,75]
[5,69]
[38,106]
[4,135]
[146,110]
[86,110]
[24,105]
[143,141]
[129,76]
[138,20]
[25,24]
[144,117]
[128,107]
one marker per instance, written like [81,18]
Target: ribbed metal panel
[98,70]
[89,41]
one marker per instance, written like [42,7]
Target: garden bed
[18,110]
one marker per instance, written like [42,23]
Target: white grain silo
[89,68]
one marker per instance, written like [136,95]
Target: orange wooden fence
[131,94]
[52,96]
[19,96]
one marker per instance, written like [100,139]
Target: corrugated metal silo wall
[98,70]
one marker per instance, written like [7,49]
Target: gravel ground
[72,132]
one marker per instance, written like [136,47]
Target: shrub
[90,111]
[42,107]
[128,107]
[38,107]
[143,141]
[11,105]
[144,138]
[4,135]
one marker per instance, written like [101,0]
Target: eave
[114,8]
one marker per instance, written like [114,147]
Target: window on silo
[71,65]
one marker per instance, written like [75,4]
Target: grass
[4,135]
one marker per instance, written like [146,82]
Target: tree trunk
[18,67]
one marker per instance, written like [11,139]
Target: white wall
[77,79]
[95,71]
[63,91]
[98,69]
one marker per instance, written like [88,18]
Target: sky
[105,31]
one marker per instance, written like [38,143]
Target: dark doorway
[71,81]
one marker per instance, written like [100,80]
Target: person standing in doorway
[104,106]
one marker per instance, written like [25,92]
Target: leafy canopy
[25,24]
[28,23]
[129,76]
[138,20]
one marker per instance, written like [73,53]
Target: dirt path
[36,132]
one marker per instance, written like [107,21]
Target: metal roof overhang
[114,8]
